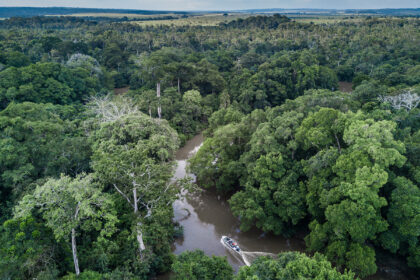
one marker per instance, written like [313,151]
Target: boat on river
[230,243]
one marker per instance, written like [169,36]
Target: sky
[184,5]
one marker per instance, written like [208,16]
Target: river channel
[209,218]
[205,216]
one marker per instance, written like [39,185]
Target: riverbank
[205,216]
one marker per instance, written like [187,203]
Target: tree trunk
[74,249]
[158,96]
[179,85]
[136,209]
[338,143]
[158,89]
[139,232]
[159,111]
[140,239]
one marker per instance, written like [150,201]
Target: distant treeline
[258,22]
[48,22]
[390,12]
[6,12]
[61,22]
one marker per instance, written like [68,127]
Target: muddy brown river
[209,218]
[205,217]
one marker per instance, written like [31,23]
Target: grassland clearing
[196,20]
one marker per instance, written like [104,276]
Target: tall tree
[133,155]
[69,205]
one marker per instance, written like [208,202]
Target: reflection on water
[209,218]
[205,217]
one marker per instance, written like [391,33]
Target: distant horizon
[215,5]
[208,10]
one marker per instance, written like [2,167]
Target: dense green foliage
[82,166]
[71,204]
[195,265]
[25,243]
[132,155]
[320,161]
[292,265]
[287,266]
[37,141]
[46,83]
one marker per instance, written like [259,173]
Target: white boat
[230,243]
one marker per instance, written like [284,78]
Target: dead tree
[407,100]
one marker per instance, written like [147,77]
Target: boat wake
[247,257]
[250,257]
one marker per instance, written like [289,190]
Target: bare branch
[111,110]
[407,100]
[124,195]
